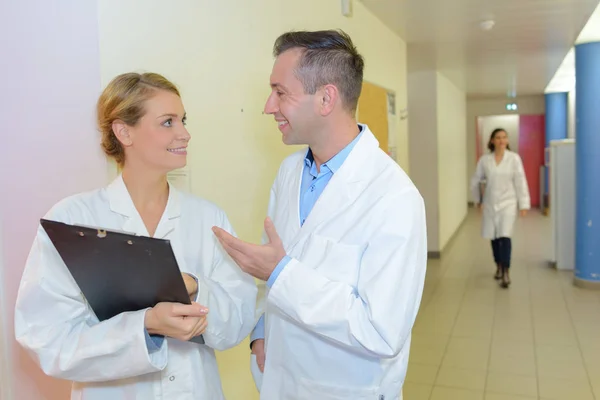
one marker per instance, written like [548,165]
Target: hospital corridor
[300,200]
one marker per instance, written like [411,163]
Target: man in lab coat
[345,256]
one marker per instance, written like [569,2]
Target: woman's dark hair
[493,135]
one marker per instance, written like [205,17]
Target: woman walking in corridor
[501,176]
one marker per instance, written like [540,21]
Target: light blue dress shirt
[313,185]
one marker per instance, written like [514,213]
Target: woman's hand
[523,213]
[258,348]
[179,321]
[191,285]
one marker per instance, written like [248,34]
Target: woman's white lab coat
[339,317]
[110,360]
[505,192]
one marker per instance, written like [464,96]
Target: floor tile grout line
[436,288]
[535,355]
[487,376]
[587,372]
[451,330]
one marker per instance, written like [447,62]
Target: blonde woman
[144,354]
[505,194]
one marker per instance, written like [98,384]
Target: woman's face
[159,140]
[500,140]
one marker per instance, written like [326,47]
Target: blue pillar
[557,125]
[587,150]
[557,114]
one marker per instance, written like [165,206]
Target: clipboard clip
[101,233]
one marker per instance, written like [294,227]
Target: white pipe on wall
[6,379]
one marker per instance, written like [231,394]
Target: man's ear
[329,97]
[121,131]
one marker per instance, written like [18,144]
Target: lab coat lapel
[121,203]
[293,205]
[345,185]
[171,215]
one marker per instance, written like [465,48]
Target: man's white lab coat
[339,316]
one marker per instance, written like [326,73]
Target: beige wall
[221,58]
[437,109]
[220,54]
[423,145]
[452,157]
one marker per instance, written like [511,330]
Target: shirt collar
[335,163]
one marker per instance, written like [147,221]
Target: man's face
[293,109]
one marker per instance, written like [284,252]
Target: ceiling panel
[519,56]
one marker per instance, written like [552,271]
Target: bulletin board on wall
[376,108]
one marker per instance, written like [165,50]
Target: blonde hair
[123,99]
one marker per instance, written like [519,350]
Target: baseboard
[436,255]
[470,204]
[585,284]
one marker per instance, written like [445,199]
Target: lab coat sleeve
[56,326]
[259,330]
[476,180]
[230,295]
[520,182]
[375,318]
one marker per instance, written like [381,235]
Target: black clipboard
[117,271]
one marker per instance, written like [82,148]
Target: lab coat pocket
[335,260]
[324,391]
[256,374]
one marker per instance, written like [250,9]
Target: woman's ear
[121,131]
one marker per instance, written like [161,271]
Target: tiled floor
[540,339]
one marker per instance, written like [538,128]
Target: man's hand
[191,285]
[258,348]
[256,260]
[179,321]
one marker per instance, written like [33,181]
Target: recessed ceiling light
[487,24]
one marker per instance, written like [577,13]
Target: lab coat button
[172,378]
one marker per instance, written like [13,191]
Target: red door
[531,150]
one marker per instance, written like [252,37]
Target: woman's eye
[184,121]
[168,123]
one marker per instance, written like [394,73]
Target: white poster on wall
[5,351]
[180,179]
[392,126]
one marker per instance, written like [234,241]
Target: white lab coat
[110,360]
[505,192]
[339,317]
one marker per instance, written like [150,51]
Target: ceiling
[518,56]
[564,78]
